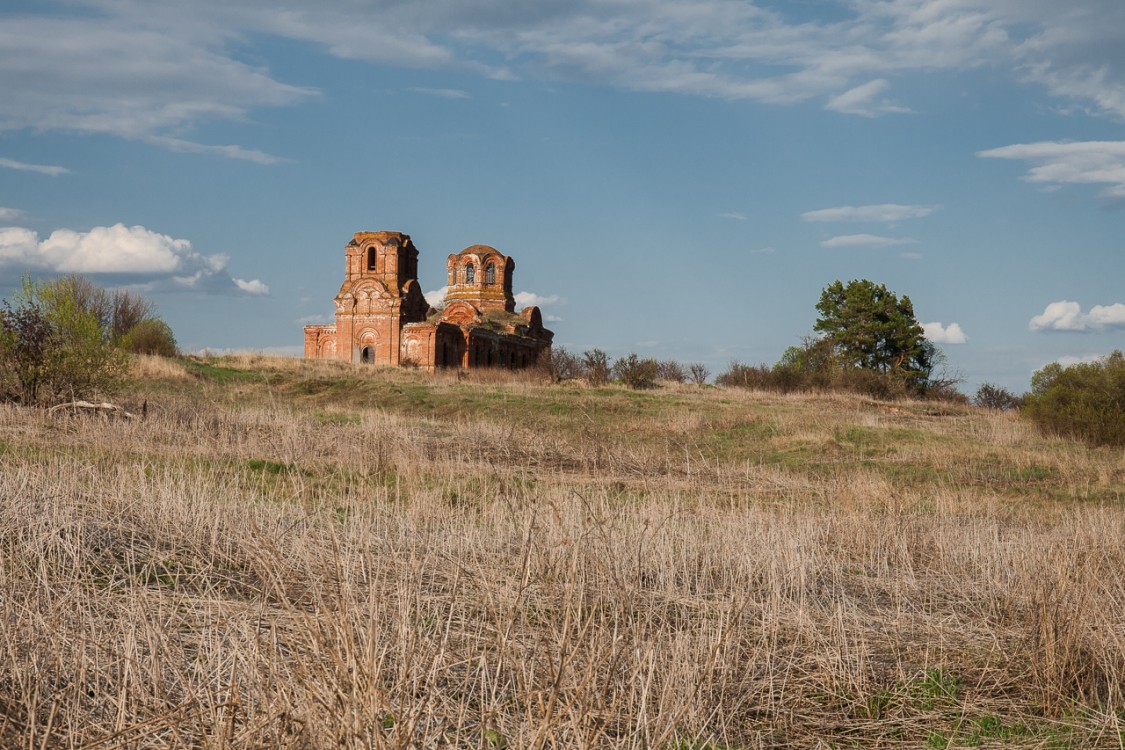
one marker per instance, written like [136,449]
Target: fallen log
[104,408]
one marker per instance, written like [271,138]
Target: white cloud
[37,168]
[443,93]
[155,261]
[529,299]
[883,212]
[909,255]
[735,215]
[764,250]
[315,320]
[1068,316]
[865,240]
[253,287]
[10,214]
[552,319]
[436,297]
[939,334]
[862,100]
[1067,163]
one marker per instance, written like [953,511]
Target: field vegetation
[291,554]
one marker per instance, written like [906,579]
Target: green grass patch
[217,373]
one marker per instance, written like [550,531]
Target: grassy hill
[297,554]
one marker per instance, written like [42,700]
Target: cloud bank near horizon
[148,260]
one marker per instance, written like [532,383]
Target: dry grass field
[286,554]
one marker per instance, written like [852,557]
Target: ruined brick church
[382,318]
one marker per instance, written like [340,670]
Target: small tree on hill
[873,329]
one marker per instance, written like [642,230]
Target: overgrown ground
[293,554]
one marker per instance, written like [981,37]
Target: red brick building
[382,318]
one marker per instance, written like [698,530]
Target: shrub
[635,372]
[699,373]
[738,375]
[150,336]
[997,397]
[562,364]
[671,371]
[596,363]
[1084,401]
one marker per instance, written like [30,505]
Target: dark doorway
[367,355]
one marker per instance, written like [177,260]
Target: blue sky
[679,179]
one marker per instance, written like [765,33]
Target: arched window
[367,355]
[470,274]
[370,259]
[490,273]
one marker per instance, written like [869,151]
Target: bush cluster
[67,339]
[597,369]
[1084,401]
[814,366]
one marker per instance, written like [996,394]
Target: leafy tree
[25,340]
[54,345]
[150,336]
[1084,401]
[871,328]
[118,310]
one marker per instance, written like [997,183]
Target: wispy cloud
[139,68]
[882,212]
[37,168]
[155,261]
[128,72]
[865,240]
[764,250]
[1070,163]
[10,214]
[864,100]
[941,334]
[735,215]
[443,93]
[1066,316]
[230,152]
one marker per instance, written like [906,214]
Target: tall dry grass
[256,574]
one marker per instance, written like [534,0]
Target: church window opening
[490,273]
[470,274]
[370,259]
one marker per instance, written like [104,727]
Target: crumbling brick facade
[382,317]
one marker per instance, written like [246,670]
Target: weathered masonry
[382,318]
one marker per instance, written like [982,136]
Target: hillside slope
[294,554]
